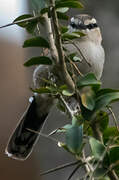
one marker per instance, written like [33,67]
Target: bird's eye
[92,26]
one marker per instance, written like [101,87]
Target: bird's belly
[94,54]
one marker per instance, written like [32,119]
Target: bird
[22,141]
[90,45]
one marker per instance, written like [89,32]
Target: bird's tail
[22,141]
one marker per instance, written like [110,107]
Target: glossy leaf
[74,57]
[63,29]
[99,172]
[23,17]
[105,91]
[62,10]
[79,33]
[110,132]
[67,93]
[106,98]
[74,137]
[42,90]
[114,154]
[103,119]
[97,148]
[30,25]
[89,80]
[38,60]
[63,87]
[36,42]
[88,100]
[70,36]
[69,4]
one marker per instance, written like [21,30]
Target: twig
[67,107]
[20,21]
[88,166]
[60,167]
[75,66]
[43,135]
[114,117]
[73,172]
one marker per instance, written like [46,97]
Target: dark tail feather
[22,140]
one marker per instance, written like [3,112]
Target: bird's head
[86,24]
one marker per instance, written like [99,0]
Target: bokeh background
[15,81]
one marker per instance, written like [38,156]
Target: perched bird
[22,141]
[88,47]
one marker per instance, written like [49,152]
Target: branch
[61,65]
[60,167]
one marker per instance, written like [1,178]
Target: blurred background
[15,81]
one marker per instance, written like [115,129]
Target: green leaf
[62,16]
[36,42]
[97,148]
[62,10]
[77,120]
[29,25]
[105,91]
[89,80]
[79,33]
[106,98]
[105,178]
[99,172]
[23,17]
[63,29]
[42,90]
[74,137]
[70,36]
[88,99]
[74,57]
[38,60]
[66,92]
[114,154]
[110,132]
[69,4]
[63,87]
[103,119]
